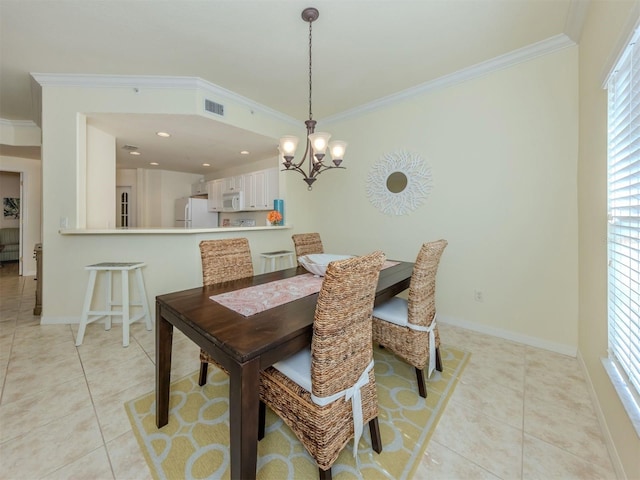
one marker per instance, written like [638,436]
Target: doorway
[11,222]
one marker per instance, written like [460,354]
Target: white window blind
[624,216]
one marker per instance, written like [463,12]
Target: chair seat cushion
[394,311]
[297,367]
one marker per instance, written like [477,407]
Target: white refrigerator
[193,213]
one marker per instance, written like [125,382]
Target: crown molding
[576,17]
[630,32]
[544,47]
[18,123]
[221,92]
[19,133]
[155,82]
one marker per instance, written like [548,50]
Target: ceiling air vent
[214,107]
[130,148]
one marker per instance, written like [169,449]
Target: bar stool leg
[86,307]
[143,298]
[125,308]
[109,300]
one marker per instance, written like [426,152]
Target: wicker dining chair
[222,261]
[408,328]
[307,390]
[307,243]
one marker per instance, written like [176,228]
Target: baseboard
[608,440]
[509,335]
[48,320]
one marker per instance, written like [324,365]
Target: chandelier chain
[310,112]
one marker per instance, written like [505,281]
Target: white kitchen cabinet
[199,188]
[260,189]
[233,184]
[214,192]
[249,191]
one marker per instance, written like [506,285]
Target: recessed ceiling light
[154,164]
[244,152]
[206,164]
[163,134]
[134,153]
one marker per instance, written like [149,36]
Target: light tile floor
[517,413]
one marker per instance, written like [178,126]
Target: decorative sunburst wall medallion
[399,183]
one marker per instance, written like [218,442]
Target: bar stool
[108,268]
[270,259]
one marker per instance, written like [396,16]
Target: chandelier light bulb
[337,149]
[288,145]
[319,142]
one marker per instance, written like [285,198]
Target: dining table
[244,345]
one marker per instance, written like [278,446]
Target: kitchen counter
[164,231]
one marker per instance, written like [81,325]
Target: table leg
[164,341]
[244,401]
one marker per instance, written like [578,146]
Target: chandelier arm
[318,172]
[311,125]
[307,151]
[295,168]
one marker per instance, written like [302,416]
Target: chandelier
[317,142]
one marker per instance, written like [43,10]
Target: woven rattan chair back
[222,261]
[413,344]
[225,260]
[307,243]
[422,289]
[341,345]
[341,351]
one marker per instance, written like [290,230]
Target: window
[624,227]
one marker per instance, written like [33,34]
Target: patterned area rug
[194,444]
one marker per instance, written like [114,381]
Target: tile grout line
[93,405]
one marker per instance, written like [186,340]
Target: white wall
[503,154]
[606,28]
[101,175]
[31,206]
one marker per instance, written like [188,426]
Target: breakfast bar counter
[166,230]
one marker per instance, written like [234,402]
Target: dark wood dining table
[243,346]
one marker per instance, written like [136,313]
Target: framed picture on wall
[11,207]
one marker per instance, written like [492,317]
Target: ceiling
[363,50]
[194,141]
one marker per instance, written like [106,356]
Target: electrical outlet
[478,296]
[64,222]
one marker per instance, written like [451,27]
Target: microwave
[232,202]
